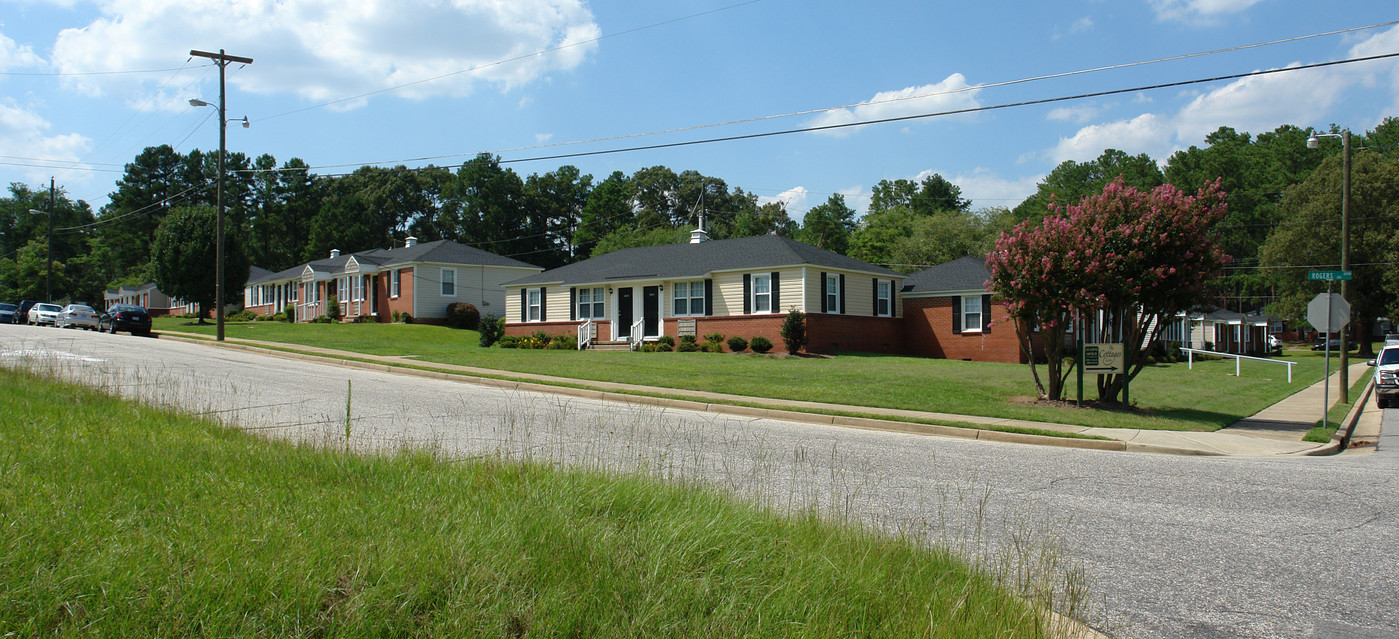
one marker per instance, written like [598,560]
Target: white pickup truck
[1387,374]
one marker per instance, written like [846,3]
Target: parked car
[22,311]
[1274,343]
[125,317]
[1320,344]
[78,316]
[9,313]
[43,313]
[1386,375]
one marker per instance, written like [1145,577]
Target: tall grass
[125,519]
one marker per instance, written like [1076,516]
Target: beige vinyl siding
[555,303]
[512,304]
[480,286]
[859,292]
[728,290]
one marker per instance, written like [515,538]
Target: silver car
[77,316]
[44,314]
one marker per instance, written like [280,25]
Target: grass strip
[1338,413]
[124,520]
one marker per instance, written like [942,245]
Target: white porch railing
[585,334]
[1190,359]
[635,337]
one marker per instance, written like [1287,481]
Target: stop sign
[1328,312]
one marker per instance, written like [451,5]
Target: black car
[22,311]
[125,317]
[8,313]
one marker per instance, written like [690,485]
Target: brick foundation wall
[549,328]
[745,326]
[927,332]
[852,333]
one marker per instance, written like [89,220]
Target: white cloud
[1080,25]
[325,50]
[24,134]
[13,56]
[1079,114]
[986,189]
[794,199]
[1202,12]
[543,138]
[1147,133]
[857,198]
[952,94]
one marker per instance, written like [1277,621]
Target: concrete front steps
[604,345]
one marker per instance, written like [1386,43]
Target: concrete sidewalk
[1277,430]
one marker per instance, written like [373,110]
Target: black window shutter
[524,305]
[823,294]
[573,304]
[956,315]
[747,293]
[709,297]
[986,313]
[543,299]
[842,292]
[874,307]
[776,294]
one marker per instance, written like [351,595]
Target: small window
[533,301]
[688,298]
[449,282]
[590,303]
[762,293]
[597,303]
[882,302]
[833,294]
[394,282]
[971,314]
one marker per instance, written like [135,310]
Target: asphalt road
[1170,546]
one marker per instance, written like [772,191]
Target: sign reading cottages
[1104,359]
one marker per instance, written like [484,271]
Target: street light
[222,59]
[1314,142]
[48,271]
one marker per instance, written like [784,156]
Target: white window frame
[833,294]
[590,303]
[356,289]
[884,293]
[764,295]
[691,297]
[395,282]
[533,305]
[445,271]
[968,327]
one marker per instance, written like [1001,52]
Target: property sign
[1328,276]
[685,327]
[1104,359]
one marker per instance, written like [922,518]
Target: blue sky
[85,86]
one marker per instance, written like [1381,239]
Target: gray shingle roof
[673,261]
[961,274]
[440,251]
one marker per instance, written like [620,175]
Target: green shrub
[332,306]
[397,316]
[662,347]
[738,344]
[263,318]
[324,319]
[279,317]
[492,330]
[367,319]
[714,342]
[666,340]
[289,313]
[509,341]
[244,315]
[687,344]
[794,331]
[463,315]
[760,344]
[406,318]
[563,343]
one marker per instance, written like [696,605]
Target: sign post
[1329,313]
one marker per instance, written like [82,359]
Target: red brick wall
[927,332]
[836,333]
[745,326]
[404,302]
[521,329]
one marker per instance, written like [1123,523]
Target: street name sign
[1104,359]
[1328,276]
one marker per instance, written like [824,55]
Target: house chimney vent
[412,241]
[699,235]
[334,253]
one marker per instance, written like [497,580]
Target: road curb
[840,421]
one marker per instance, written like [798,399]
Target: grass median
[124,520]
[1165,397]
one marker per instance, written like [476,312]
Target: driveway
[1174,546]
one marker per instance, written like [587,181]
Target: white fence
[1190,357]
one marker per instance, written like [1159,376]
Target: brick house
[948,312]
[738,287]
[418,279]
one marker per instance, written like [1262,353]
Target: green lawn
[127,521]
[1166,396]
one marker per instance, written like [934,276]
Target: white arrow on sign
[1328,312]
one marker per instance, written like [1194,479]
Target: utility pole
[1345,259]
[222,59]
[48,272]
